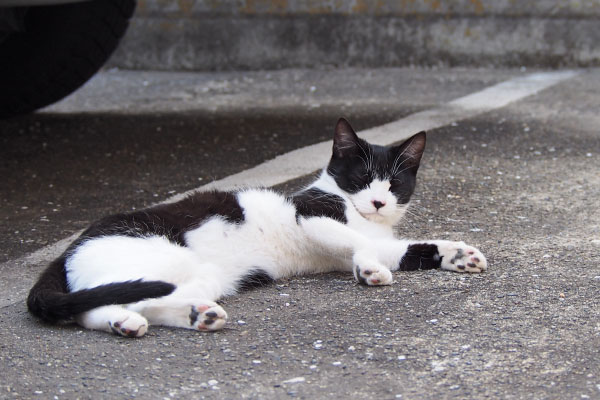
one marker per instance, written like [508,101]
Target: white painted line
[308,159]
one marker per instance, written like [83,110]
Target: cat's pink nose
[378,204]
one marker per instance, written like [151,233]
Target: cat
[168,264]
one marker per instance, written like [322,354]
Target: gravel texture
[522,183]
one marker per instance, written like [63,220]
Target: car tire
[61,47]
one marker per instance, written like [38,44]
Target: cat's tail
[50,300]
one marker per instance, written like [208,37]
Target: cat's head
[378,180]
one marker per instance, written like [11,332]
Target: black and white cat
[168,264]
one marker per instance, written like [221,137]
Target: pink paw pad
[207,318]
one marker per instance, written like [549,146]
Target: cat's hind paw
[459,257]
[207,317]
[133,325]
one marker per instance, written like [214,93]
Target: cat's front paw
[373,275]
[459,257]
[207,316]
[370,272]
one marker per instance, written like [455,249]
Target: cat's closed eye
[362,179]
[396,182]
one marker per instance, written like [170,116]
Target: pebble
[437,366]
[298,379]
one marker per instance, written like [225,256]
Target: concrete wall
[268,34]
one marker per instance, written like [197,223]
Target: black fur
[459,254]
[169,220]
[193,315]
[50,300]
[359,277]
[256,278]
[317,203]
[355,163]
[421,256]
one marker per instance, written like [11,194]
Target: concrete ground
[521,182]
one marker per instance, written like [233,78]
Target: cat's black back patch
[315,202]
[420,256]
[169,220]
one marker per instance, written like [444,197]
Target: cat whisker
[444,218]
[397,166]
[368,160]
[415,215]
[215,244]
[405,169]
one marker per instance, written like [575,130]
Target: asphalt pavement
[521,182]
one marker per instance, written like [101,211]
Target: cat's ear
[345,141]
[411,151]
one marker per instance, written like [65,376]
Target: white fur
[459,257]
[218,254]
[370,227]
[364,202]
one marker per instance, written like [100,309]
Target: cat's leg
[190,313]
[354,250]
[368,270]
[115,319]
[460,257]
[405,255]
[187,307]
[372,260]
[444,254]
